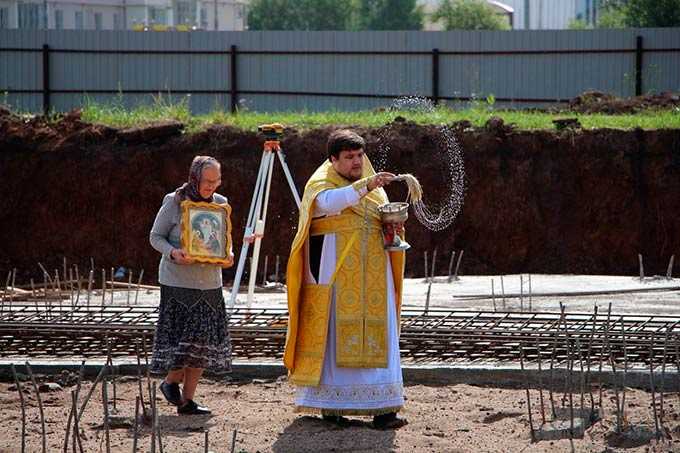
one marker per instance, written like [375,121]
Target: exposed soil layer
[537,201]
[455,418]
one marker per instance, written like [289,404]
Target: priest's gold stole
[361,301]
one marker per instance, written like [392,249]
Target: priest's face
[349,164]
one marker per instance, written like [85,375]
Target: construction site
[538,321]
[549,363]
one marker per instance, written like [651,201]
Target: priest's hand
[379,180]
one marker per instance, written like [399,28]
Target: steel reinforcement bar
[34,330]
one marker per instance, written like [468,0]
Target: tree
[389,15]
[469,15]
[640,13]
[652,13]
[300,14]
[611,18]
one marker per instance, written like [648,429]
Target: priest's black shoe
[171,393]
[336,419]
[388,421]
[191,408]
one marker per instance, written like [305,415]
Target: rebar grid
[31,330]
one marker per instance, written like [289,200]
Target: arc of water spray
[449,208]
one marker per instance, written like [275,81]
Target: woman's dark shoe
[191,408]
[388,421]
[171,393]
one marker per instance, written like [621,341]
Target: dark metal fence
[231,87]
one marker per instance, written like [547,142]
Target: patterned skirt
[191,331]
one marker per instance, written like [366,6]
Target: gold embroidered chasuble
[359,281]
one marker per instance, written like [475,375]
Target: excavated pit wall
[584,202]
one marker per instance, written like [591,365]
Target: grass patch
[116,115]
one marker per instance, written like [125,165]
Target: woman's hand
[179,256]
[379,180]
[230,261]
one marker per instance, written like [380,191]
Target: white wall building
[553,14]
[534,14]
[157,15]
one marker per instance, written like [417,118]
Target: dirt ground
[456,418]
[598,102]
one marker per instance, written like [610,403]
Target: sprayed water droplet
[439,216]
[413,104]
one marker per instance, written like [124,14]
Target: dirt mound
[4,112]
[598,102]
[38,133]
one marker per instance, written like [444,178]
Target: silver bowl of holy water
[392,216]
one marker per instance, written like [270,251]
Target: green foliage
[117,114]
[300,14]
[640,13]
[389,15]
[478,115]
[652,13]
[578,24]
[612,17]
[469,15]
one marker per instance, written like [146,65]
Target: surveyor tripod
[257,215]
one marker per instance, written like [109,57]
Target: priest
[344,293]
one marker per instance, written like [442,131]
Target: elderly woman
[191,334]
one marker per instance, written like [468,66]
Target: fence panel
[313,71]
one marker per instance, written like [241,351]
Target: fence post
[46,78]
[638,66]
[234,86]
[435,76]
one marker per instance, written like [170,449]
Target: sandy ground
[454,418]
[460,418]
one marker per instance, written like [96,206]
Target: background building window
[79,20]
[58,19]
[185,12]
[157,16]
[587,11]
[117,22]
[31,15]
[204,18]
[4,17]
[97,21]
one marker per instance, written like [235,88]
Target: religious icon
[206,232]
